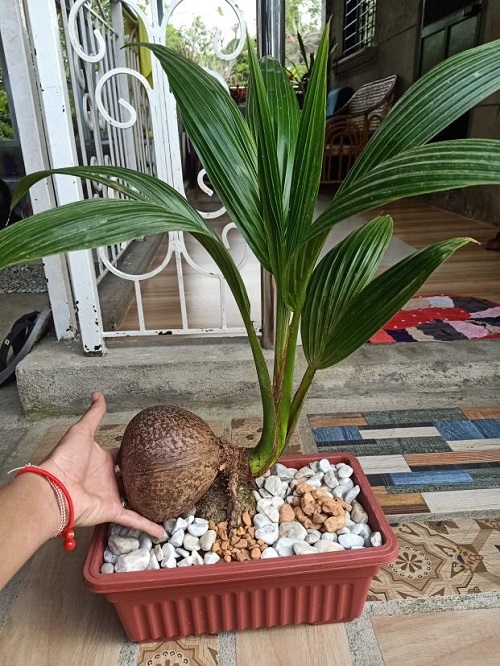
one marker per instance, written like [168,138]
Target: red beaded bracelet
[66,525]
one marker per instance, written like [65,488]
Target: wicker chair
[350,128]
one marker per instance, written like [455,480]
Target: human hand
[88,472]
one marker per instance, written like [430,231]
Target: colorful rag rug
[443,318]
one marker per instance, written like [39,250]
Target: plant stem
[298,400]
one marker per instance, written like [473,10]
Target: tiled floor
[438,603]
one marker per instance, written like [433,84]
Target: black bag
[20,340]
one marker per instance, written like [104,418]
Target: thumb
[94,415]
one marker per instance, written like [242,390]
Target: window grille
[359,25]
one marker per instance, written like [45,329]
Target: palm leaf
[378,302]
[223,143]
[337,279]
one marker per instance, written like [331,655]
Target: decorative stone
[208,540]
[158,551]
[268,553]
[315,481]
[180,524]
[196,558]
[283,472]
[120,545]
[334,523]
[107,568]
[352,494]
[304,472]
[191,542]
[376,539]
[324,546]
[136,560]
[261,520]
[115,530]
[186,562]
[198,527]
[272,513]
[265,493]
[145,542]
[263,503]
[268,533]
[324,465]
[168,551]
[343,530]
[338,491]
[177,538]
[259,482]
[161,539]
[130,532]
[181,552]
[344,472]
[287,514]
[153,562]
[256,494]
[314,466]
[109,556]
[169,525]
[284,546]
[303,548]
[211,558]
[273,485]
[358,514]
[311,539]
[329,536]
[285,489]
[346,484]
[278,501]
[292,530]
[168,563]
[350,540]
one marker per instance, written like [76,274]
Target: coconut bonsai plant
[266,171]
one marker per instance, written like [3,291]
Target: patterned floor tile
[190,651]
[463,500]
[405,416]
[379,464]
[399,433]
[326,420]
[416,460]
[441,558]
[475,413]
[474,444]
[393,504]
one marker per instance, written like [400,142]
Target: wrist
[34,493]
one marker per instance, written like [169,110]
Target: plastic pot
[311,589]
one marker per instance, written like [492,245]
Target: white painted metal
[124,101]
[44,31]
[31,134]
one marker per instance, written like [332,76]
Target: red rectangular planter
[311,589]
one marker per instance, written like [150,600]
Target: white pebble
[169,525]
[324,546]
[328,536]
[168,550]
[278,501]
[191,542]
[180,552]
[261,520]
[168,563]
[304,472]
[198,527]
[265,493]
[352,494]
[337,492]
[158,551]
[161,539]
[107,568]
[197,558]
[358,514]
[346,484]
[263,503]
[293,530]
[268,553]
[137,560]
[120,545]
[314,466]
[272,513]
[344,472]
[256,495]
[343,530]
[180,524]
[153,562]
[284,473]
[311,539]
[259,482]
[315,481]
[284,546]
[109,556]
[208,539]
[211,558]
[177,538]
[269,533]
[303,548]
[376,539]
[186,562]
[114,529]
[273,485]
[324,465]
[350,540]
[145,542]
[284,490]
[330,479]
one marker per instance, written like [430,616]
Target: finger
[94,415]
[132,519]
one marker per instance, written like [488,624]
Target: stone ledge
[56,378]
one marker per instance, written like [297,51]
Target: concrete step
[214,374]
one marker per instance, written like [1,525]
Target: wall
[396,51]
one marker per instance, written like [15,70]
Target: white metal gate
[123,117]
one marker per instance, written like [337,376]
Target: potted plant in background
[266,171]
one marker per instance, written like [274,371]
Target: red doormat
[443,318]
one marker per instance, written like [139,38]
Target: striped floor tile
[414,454]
